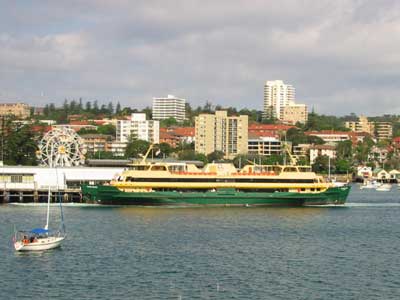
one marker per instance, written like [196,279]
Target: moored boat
[40,238]
[179,183]
[384,188]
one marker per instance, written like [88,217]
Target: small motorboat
[384,188]
[370,185]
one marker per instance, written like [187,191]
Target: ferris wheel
[61,147]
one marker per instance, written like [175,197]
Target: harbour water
[349,252]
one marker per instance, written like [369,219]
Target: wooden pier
[39,196]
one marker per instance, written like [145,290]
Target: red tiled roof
[40,128]
[184,131]
[79,122]
[396,139]
[257,126]
[179,131]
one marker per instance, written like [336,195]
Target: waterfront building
[394,175]
[169,107]
[137,127]
[380,174]
[364,172]
[279,103]
[218,132]
[18,182]
[18,110]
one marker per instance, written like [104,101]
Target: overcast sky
[341,56]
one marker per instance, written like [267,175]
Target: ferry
[221,184]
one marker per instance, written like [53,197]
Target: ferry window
[139,168]
[290,169]
[158,168]
[16,178]
[27,178]
[177,168]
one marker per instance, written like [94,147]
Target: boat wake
[357,204]
[72,204]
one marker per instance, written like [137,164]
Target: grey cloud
[333,52]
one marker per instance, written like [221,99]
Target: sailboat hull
[41,244]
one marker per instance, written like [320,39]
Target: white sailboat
[40,238]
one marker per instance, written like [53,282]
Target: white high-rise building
[279,103]
[169,107]
[138,128]
[277,95]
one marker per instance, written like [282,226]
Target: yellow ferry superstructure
[187,177]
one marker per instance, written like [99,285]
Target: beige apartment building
[218,132]
[18,110]
[380,130]
[294,113]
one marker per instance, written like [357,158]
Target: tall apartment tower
[169,107]
[138,128]
[277,95]
[219,132]
[279,103]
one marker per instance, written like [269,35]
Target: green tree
[342,166]
[136,147]
[344,150]
[297,136]
[168,122]
[165,149]
[107,129]
[110,109]
[118,109]
[19,145]
[192,155]
[215,156]
[321,164]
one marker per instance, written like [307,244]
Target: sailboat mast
[48,209]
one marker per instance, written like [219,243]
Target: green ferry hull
[106,194]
